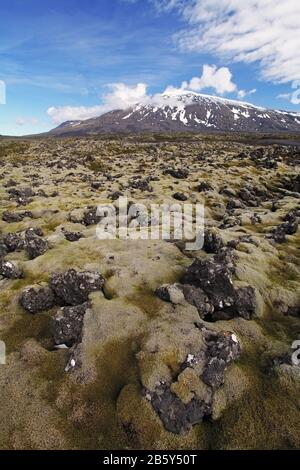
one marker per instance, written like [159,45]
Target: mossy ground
[99,405]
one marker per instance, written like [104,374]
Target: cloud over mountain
[122,96]
[212,77]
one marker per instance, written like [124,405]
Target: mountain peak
[182,110]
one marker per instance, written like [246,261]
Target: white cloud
[121,96]
[212,77]
[262,31]
[244,93]
[23,121]
[284,96]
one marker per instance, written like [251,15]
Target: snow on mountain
[183,110]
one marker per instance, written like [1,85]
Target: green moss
[262,419]
[146,300]
[27,326]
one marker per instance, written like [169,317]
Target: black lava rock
[67,324]
[180,197]
[10,270]
[74,287]
[37,299]
[34,245]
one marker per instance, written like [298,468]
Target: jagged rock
[204,187]
[245,303]
[12,217]
[34,245]
[13,242]
[178,293]
[180,197]
[215,280]
[177,417]
[179,173]
[90,216]
[230,221]
[21,192]
[96,185]
[289,227]
[199,299]
[241,239]
[72,236]
[36,230]
[252,195]
[222,350]
[255,219]
[212,242]
[234,204]
[292,215]
[171,293]
[115,195]
[292,184]
[74,287]
[67,324]
[10,270]
[37,299]
[141,184]
[278,235]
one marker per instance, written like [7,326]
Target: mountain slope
[186,111]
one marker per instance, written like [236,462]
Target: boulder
[222,349]
[212,242]
[12,217]
[245,303]
[178,417]
[74,287]
[9,270]
[180,197]
[36,299]
[13,242]
[198,299]
[215,280]
[34,245]
[67,324]
[204,186]
[171,293]
[179,173]
[72,236]
[90,216]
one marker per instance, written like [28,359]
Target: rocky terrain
[135,344]
[185,111]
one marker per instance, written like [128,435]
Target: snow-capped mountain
[182,111]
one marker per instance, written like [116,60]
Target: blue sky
[65,55]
